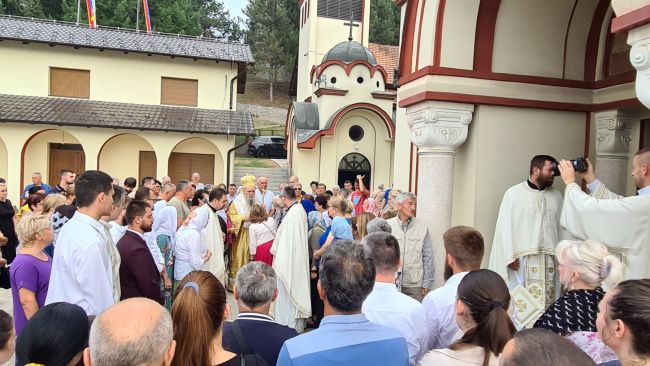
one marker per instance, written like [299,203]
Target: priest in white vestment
[621,223]
[291,263]
[213,234]
[526,233]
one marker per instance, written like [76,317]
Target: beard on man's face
[146,227]
[250,200]
[448,271]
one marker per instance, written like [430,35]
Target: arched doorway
[351,165]
[141,160]
[50,151]
[196,155]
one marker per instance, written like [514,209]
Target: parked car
[267,146]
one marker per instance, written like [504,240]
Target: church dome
[350,51]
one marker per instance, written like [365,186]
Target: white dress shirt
[81,272]
[441,319]
[260,233]
[385,305]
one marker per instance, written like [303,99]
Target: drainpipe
[232,87]
[228,159]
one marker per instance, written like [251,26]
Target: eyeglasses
[297,189]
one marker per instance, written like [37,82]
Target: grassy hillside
[257,93]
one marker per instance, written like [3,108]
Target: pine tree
[384,22]
[268,29]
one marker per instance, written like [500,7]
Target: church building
[482,87]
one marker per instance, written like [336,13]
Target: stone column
[437,128]
[613,137]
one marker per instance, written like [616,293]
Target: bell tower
[323,25]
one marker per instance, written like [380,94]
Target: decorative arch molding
[29,139]
[316,71]
[388,122]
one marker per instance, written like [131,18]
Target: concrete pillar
[437,129]
[613,137]
[639,39]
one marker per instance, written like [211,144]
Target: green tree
[32,8]
[10,7]
[273,37]
[384,22]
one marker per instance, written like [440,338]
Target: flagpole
[137,17]
[78,10]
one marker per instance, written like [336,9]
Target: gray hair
[149,347]
[347,275]
[335,187]
[378,225]
[596,265]
[182,185]
[256,283]
[167,187]
[402,197]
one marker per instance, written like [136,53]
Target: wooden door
[65,156]
[147,166]
[182,165]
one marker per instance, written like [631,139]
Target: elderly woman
[30,271]
[190,249]
[584,268]
[624,323]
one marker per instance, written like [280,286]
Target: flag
[92,20]
[147,19]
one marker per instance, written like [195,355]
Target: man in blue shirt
[37,180]
[345,336]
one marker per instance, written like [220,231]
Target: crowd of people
[110,272]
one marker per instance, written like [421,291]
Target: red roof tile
[387,56]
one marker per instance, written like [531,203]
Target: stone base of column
[611,171]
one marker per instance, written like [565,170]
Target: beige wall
[203,146]
[123,148]
[457,36]
[114,76]
[402,148]
[376,146]
[92,139]
[497,155]
[3,159]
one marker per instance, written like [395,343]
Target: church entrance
[352,165]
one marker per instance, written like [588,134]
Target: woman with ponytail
[199,310]
[481,313]
[585,268]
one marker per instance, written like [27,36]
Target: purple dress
[32,274]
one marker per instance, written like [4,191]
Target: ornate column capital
[439,127]
[613,134]
[639,39]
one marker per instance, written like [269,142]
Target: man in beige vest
[416,248]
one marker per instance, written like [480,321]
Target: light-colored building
[343,122]
[482,87]
[130,104]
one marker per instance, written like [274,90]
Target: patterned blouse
[575,311]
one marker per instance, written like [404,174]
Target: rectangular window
[176,91]
[70,83]
[341,9]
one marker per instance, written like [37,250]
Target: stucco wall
[114,76]
[497,155]
[202,146]
[123,148]
[37,153]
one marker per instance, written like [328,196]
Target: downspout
[232,87]
[228,159]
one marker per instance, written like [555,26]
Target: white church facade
[482,87]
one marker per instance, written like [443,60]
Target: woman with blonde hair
[198,313]
[585,268]
[51,202]
[30,271]
[261,233]
[359,224]
[70,194]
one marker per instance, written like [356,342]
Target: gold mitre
[248,181]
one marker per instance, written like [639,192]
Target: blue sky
[235,7]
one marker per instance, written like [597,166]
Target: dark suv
[267,146]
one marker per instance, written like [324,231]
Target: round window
[360,80]
[356,133]
[333,80]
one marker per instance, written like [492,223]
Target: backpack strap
[239,337]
